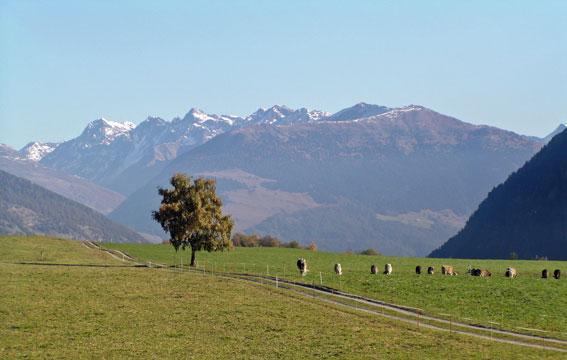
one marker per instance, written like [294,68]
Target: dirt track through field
[326,291]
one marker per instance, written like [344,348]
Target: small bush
[241,239]
[312,247]
[291,245]
[269,241]
[369,251]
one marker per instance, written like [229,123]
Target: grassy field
[526,302]
[128,312]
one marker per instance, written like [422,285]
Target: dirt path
[322,290]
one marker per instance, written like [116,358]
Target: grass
[500,302]
[128,312]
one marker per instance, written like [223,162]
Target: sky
[66,63]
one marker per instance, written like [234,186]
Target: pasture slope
[527,304]
[109,309]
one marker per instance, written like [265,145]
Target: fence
[495,320]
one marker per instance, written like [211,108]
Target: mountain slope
[527,214]
[558,130]
[26,208]
[69,186]
[380,181]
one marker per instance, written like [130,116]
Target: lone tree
[191,214]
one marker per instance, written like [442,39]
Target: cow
[388,269]
[374,270]
[418,270]
[511,273]
[469,269]
[448,270]
[338,269]
[431,270]
[302,266]
[480,272]
[544,274]
[557,274]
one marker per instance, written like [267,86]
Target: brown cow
[511,273]
[480,272]
[448,270]
[544,274]
[557,274]
[418,270]
[431,270]
[374,270]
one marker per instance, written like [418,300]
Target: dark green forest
[525,216]
[26,208]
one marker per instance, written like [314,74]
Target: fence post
[417,317]
[321,277]
[276,281]
[267,270]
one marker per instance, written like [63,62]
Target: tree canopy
[191,213]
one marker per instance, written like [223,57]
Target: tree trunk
[193,257]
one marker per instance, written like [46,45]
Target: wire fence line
[279,275]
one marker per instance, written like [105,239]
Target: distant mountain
[358,111]
[26,208]
[526,215]
[123,157]
[70,186]
[35,151]
[558,130]
[401,181]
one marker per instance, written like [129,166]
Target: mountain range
[401,180]
[22,164]
[525,217]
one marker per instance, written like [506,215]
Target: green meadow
[527,302]
[121,311]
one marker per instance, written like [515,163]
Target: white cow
[338,269]
[388,269]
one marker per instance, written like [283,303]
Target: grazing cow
[388,269]
[374,270]
[431,270]
[557,274]
[338,269]
[480,272]
[447,270]
[544,274]
[302,266]
[511,273]
[418,270]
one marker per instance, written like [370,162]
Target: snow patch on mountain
[35,151]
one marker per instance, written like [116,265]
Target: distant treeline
[244,240]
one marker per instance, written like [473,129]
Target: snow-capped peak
[35,151]
[103,131]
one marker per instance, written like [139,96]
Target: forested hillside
[526,216]
[26,208]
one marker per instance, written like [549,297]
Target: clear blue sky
[66,63]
